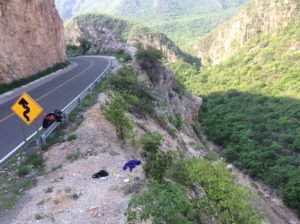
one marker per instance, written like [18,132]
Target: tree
[157,162]
[85,45]
[115,112]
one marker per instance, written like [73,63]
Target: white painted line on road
[34,133]
[12,152]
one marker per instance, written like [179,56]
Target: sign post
[28,110]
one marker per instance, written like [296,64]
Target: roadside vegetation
[20,82]
[187,190]
[120,55]
[81,49]
[251,109]
[18,174]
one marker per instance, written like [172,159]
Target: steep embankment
[182,21]
[31,38]
[251,100]
[108,33]
[255,18]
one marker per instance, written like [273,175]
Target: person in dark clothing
[50,118]
[131,164]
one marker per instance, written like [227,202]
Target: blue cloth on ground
[131,164]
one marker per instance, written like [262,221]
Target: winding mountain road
[56,93]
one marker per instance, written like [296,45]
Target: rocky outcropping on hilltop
[31,38]
[110,34]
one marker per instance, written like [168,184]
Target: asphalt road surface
[54,94]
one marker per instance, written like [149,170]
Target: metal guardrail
[41,138]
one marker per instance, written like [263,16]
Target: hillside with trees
[252,106]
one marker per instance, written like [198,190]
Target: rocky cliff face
[109,34]
[31,38]
[255,18]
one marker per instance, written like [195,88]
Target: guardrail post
[39,143]
[42,140]
[66,117]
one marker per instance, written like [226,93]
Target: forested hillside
[252,107]
[182,21]
[255,18]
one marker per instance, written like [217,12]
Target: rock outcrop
[109,34]
[255,18]
[31,38]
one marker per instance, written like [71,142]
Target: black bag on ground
[101,173]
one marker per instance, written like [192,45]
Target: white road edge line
[12,152]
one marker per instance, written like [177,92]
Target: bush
[73,50]
[162,203]
[121,55]
[74,156]
[135,93]
[151,142]
[71,137]
[115,112]
[176,121]
[35,159]
[157,162]
[85,45]
[23,170]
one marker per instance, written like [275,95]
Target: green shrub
[162,203]
[135,93]
[84,44]
[157,162]
[73,50]
[23,170]
[176,121]
[71,137]
[115,112]
[122,56]
[74,156]
[35,159]
[150,142]
[172,131]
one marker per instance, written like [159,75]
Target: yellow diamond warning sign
[26,108]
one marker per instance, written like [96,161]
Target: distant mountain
[182,21]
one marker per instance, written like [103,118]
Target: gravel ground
[67,193]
